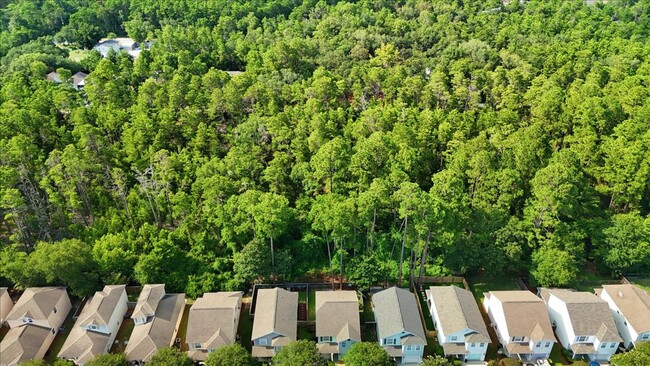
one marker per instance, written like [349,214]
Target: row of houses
[586,324]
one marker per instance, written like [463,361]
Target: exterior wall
[625,330]
[540,348]
[475,351]
[559,316]
[44,346]
[497,317]
[116,319]
[344,346]
[269,337]
[5,306]
[63,307]
[413,352]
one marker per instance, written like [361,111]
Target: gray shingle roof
[276,311]
[211,321]
[396,311]
[525,314]
[21,344]
[337,314]
[37,303]
[457,310]
[148,300]
[634,304]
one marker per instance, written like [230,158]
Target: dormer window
[582,339]
[517,339]
[93,327]
[197,345]
[453,338]
[27,320]
[390,341]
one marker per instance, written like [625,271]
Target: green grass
[305,333]
[182,328]
[644,283]
[483,283]
[311,311]
[368,313]
[588,281]
[58,341]
[123,334]
[78,55]
[245,329]
[557,359]
[302,296]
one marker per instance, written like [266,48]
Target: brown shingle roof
[634,304]
[457,310]
[396,311]
[525,315]
[276,310]
[211,321]
[21,344]
[148,301]
[37,303]
[337,314]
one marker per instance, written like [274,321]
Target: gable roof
[458,311]
[83,345]
[396,311]
[37,303]
[211,321]
[78,78]
[337,314]
[158,333]
[276,311]
[100,308]
[22,343]
[6,304]
[525,314]
[588,314]
[634,304]
[148,301]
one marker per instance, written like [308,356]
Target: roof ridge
[401,315]
[275,309]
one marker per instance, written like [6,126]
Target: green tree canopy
[298,353]
[366,354]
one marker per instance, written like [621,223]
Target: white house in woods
[128,45]
[96,327]
[6,304]
[630,306]
[157,317]
[212,323]
[583,323]
[460,328]
[521,323]
[276,321]
[337,322]
[399,327]
[34,320]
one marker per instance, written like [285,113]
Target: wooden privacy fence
[443,280]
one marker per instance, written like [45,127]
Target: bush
[581,363]
[510,362]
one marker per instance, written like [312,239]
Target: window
[481,345]
[27,320]
[211,350]
[453,338]
[645,336]
[263,341]
[603,345]
[408,348]
[472,344]
[93,327]
[582,339]
[612,345]
[197,345]
[517,339]
[547,345]
[625,323]
[326,339]
[538,344]
[418,348]
[390,341]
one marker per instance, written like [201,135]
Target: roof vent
[620,294]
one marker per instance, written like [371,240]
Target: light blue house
[399,327]
[460,328]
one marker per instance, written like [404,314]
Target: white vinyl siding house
[630,307]
[583,323]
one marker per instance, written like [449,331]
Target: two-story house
[337,322]
[34,320]
[630,306]
[157,316]
[521,323]
[6,304]
[399,327]
[583,323]
[212,323]
[460,328]
[276,321]
[97,325]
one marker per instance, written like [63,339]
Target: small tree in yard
[170,357]
[232,355]
[640,355]
[510,362]
[436,361]
[366,354]
[299,353]
[109,359]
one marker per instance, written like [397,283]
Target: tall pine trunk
[401,256]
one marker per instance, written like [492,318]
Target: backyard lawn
[182,329]
[245,329]
[644,283]
[51,354]
[123,335]
[484,283]
[311,316]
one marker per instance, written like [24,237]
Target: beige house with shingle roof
[157,317]
[6,304]
[583,323]
[630,306]
[460,328]
[337,322]
[34,320]
[212,323]
[521,322]
[96,327]
[399,327]
[276,321]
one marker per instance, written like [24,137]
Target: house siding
[625,329]
[116,319]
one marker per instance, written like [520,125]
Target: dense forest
[378,140]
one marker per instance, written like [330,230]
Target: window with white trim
[517,339]
[481,344]
[547,345]
[197,345]
[582,338]
[603,345]
[645,336]
[262,342]
[93,327]
[538,344]
[612,345]
[418,347]
[390,341]
[408,348]
[453,338]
